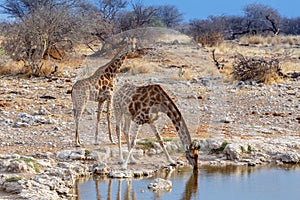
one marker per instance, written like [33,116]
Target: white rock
[214,143]
[20,125]
[26,118]
[121,174]
[160,184]
[42,111]
[233,151]
[101,169]
[77,155]
[18,167]
[94,155]
[289,157]
[14,187]
[39,119]
[64,155]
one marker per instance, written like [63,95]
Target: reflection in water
[208,183]
[191,186]
[100,182]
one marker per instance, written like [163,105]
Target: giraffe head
[192,153]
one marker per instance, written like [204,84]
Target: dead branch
[217,63]
[274,28]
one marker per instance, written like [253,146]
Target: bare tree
[291,26]
[263,18]
[140,16]
[169,15]
[143,15]
[110,8]
[207,32]
[47,28]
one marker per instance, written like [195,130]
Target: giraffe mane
[118,54]
[169,99]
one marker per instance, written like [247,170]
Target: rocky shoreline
[53,175]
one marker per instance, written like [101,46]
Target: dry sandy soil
[36,113]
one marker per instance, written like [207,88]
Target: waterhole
[230,182]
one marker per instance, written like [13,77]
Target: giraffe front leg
[118,131]
[135,129]
[78,109]
[127,136]
[77,139]
[100,103]
[161,142]
[108,120]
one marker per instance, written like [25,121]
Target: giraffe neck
[170,108]
[111,69]
[182,130]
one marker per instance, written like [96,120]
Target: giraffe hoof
[121,161]
[172,163]
[112,142]
[77,145]
[96,143]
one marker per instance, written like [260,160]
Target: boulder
[14,187]
[100,169]
[289,157]
[54,183]
[16,166]
[121,174]
[160,184]
[233,151]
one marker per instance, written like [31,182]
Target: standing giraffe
[142,104]
[98,87]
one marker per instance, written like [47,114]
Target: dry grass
[257,40]
[182,74]
[209,39]
[187,74]
[252,40]
[290,66]
[139,66]
[11,67]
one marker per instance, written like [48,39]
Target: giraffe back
[143,103]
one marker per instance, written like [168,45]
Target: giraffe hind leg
[100,103]
[108,120]
[126,128]
[118,116]
[77,115]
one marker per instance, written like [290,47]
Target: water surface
[231,182]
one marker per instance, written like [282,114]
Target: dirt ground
[36,113]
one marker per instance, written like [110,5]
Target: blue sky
[201,9]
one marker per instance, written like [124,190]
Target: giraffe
[143,105]
[98,87]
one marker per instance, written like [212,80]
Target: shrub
[209,39]
[259,70]
[30,163]
[13,179]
